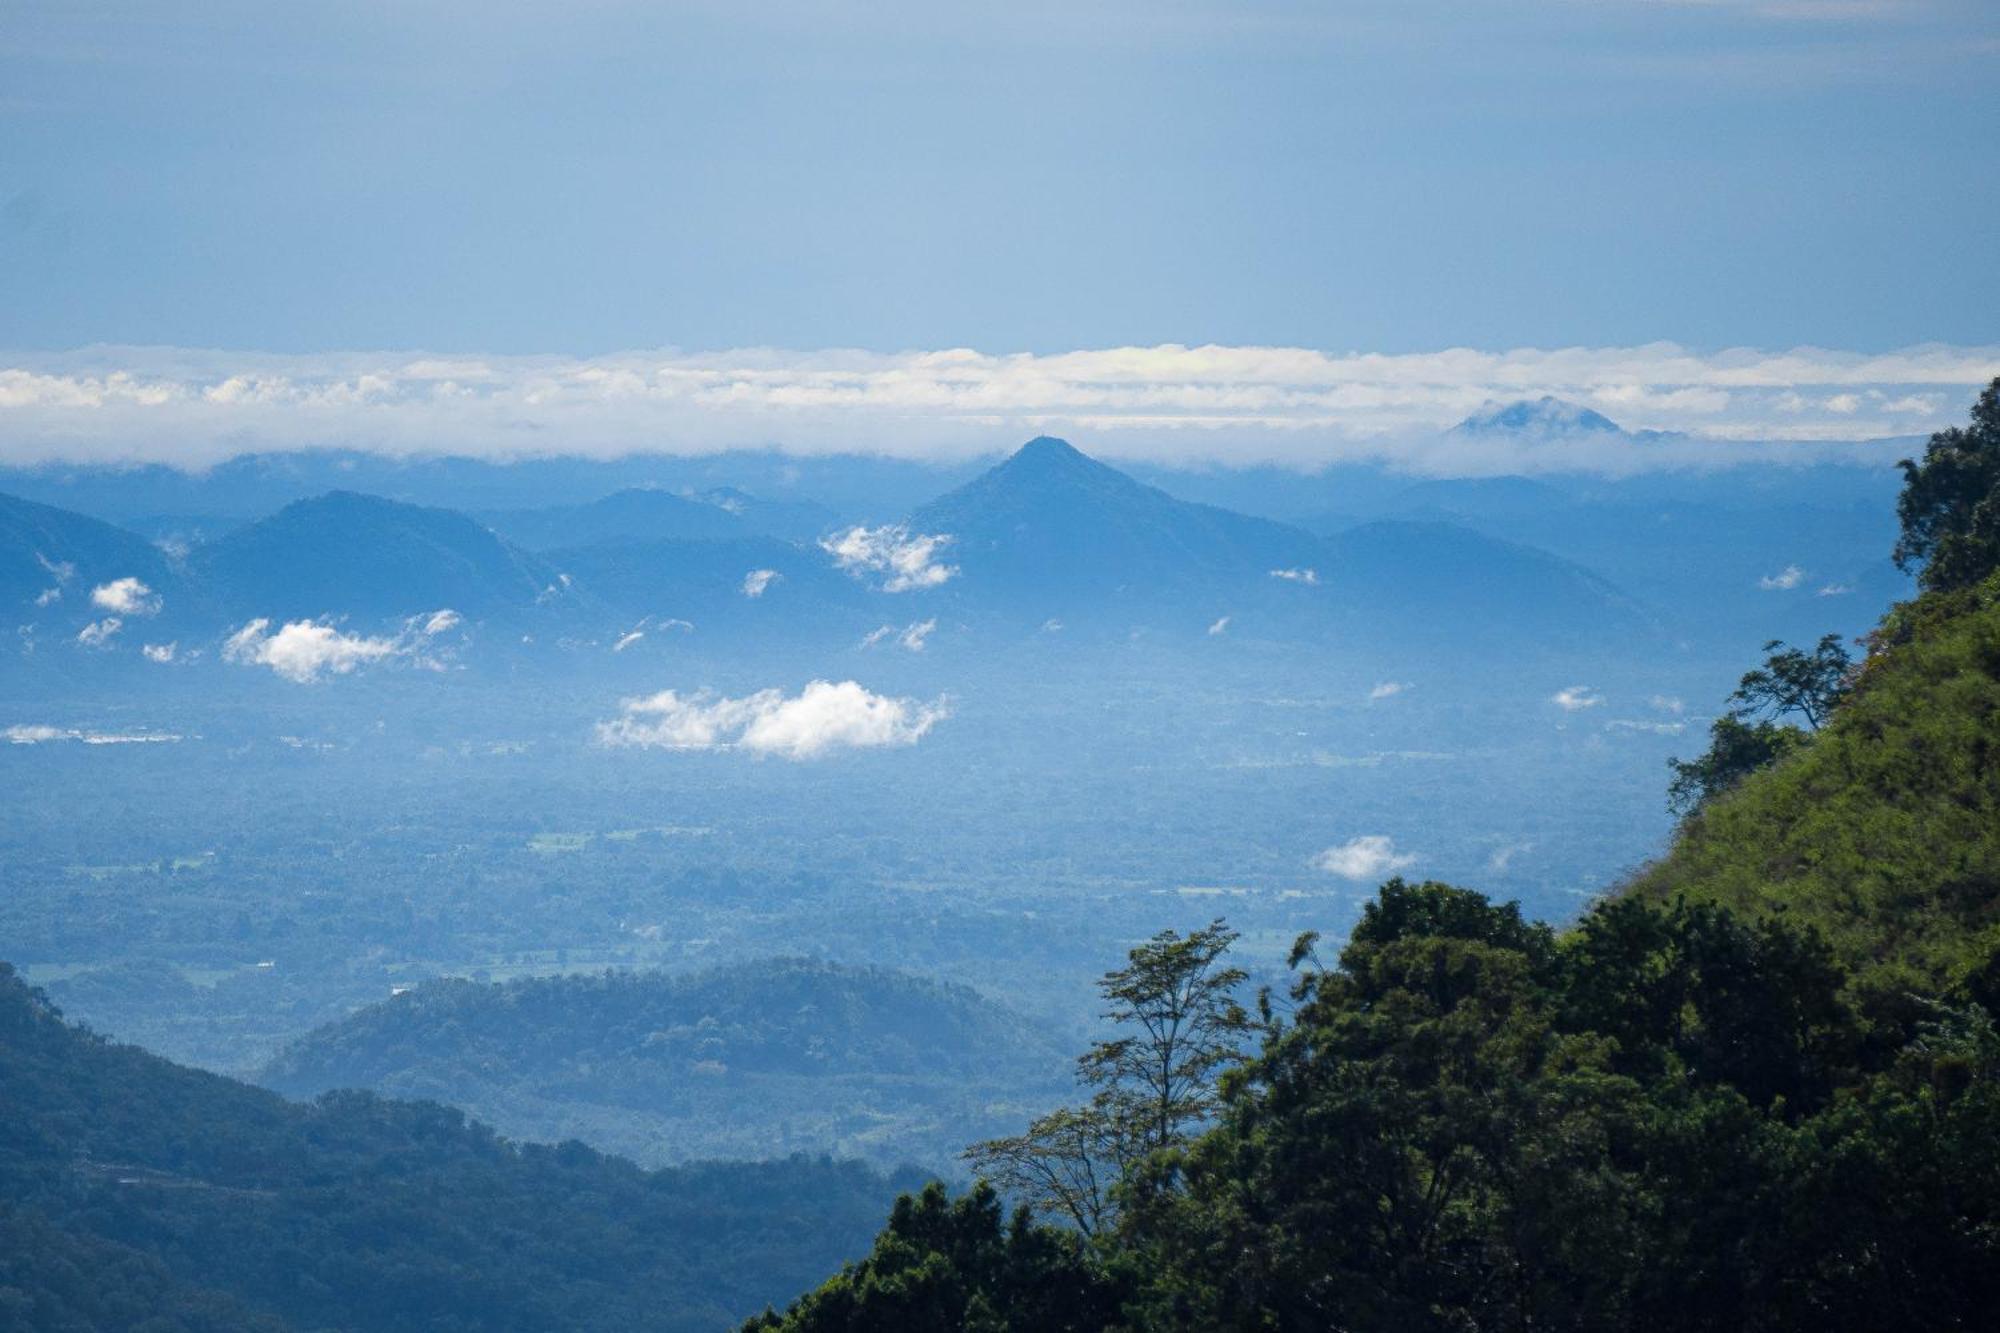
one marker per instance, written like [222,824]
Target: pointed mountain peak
[1046,451]
[1537,416]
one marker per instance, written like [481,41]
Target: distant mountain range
[1047,536]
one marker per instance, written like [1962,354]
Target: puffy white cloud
[893,550]
[1166,403]
[1310,577]
[757,580]
[819,719]
[1367,857]
[303,650]
[1791,576]
[1388,689]
[1576,698]
[125,597]
[99,633]
[160,652]
[915,634]
[48,597]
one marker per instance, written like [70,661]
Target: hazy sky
[1378,175]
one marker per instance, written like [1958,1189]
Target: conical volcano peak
[1048,451]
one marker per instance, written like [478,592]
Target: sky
[230,185]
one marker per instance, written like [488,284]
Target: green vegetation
[1950,506]
[139,1195]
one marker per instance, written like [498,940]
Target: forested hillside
[136,1194]
[755,1060]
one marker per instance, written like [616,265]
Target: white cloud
[43,735]
[191,407]
[1667,703]
[125,597]
[627,640]
[1503,856]
[1220,626]
[1833,590]
[911,636]
[1791,576]
[1306,576]
[160,652]
[1367,857]
[1388,689]
[99,633]
[1576,698]
[1052,626]
[757,580]
[823,717]
[441,622]
[302,650]
[893,550]
[61,570]
[48,597]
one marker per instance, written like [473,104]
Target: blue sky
[1392,176]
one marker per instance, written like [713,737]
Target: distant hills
[350,554]
[753,1060]
[139,1195]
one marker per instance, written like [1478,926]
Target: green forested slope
[142,1195]
[1884,831]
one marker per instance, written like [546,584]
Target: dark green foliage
[1674,1122]
[1794,680]
[950,1264]
[215,1205]
[1741,741]
[1950,506]
[1736,749]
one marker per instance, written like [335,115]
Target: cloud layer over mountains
[1169,403]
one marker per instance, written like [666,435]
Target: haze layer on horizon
[1169,404]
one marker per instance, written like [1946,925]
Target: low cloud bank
[822,718]
[1167,403]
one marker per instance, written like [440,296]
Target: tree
[1153,1088]
[1810,684]
[1792,680]
[1950,505]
